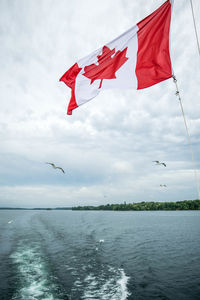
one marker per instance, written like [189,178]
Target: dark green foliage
[179,205]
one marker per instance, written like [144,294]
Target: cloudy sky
[107,146]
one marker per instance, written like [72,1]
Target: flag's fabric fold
[139,58]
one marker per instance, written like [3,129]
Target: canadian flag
[139,58]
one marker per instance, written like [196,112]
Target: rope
[188,136]
[198,45]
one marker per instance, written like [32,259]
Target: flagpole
[195,28]
[188,136]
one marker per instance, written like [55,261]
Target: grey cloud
[108,144]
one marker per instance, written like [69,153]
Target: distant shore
[36,208]
[146,206]
[140,206]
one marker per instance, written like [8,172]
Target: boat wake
[34,280]
[111,285]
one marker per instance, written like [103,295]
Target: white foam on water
[78,283]
[34,281]
[101,288]
[122,282]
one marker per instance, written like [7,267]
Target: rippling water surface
[99,255]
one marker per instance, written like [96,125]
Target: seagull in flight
[55,167]
[159,163]
[163,185]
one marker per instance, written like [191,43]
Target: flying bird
[159,163]
[55,167]
[163,185]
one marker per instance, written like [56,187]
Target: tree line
[179,205]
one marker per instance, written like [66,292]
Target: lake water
[99,255]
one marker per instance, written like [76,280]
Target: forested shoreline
[179,205]
[138,206]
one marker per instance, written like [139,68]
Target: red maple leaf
[107,66]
